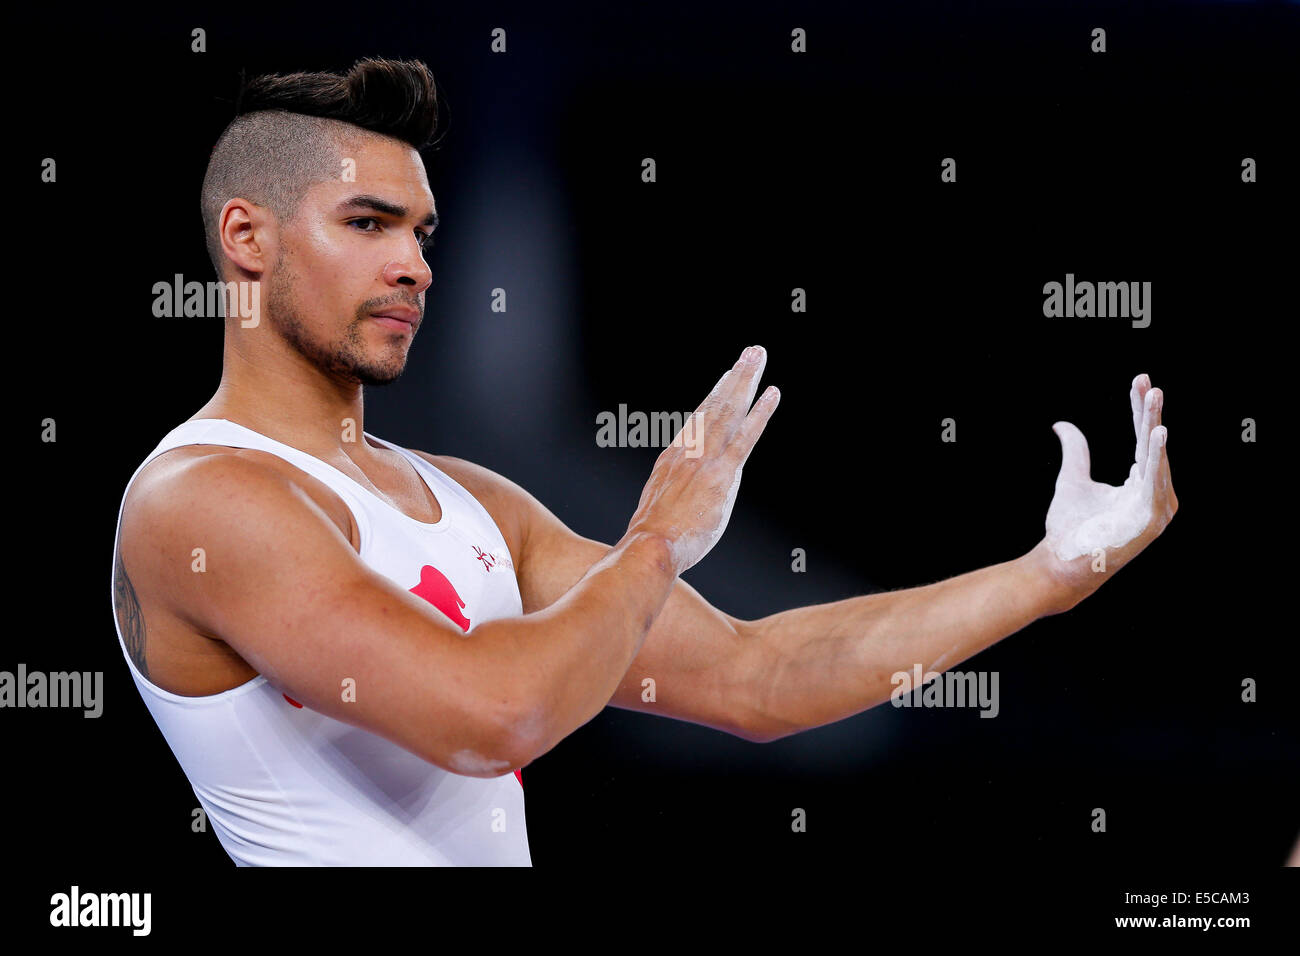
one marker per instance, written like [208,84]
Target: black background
[775,170]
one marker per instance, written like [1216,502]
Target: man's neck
[290,403]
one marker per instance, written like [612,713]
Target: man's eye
[426,240]
[365,219]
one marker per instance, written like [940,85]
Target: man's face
[347,287]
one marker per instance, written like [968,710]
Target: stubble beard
[345,359]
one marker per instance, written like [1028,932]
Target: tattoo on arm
[129,619]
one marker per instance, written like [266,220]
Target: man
[352,648]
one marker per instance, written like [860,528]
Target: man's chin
[376,377]
[378,367]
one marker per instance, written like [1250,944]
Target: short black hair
[288,129]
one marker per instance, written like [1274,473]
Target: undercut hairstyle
[289,131]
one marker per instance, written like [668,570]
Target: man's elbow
[755,733]
[523,737]
[493,748]
[485,759]
[747,719]
[762,728]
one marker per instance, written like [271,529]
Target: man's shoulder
[213,467]
[188,463]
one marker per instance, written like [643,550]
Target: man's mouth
[397,318]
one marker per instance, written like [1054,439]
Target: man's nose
[410,271]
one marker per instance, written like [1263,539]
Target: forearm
[814,665]
[567,660]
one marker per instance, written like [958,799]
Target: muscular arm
[690,648]
[283,587]
[815,665]
[809,666]
[769,678]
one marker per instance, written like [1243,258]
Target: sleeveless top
[284,785]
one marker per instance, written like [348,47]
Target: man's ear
[247,233]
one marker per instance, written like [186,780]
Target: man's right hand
[692,488]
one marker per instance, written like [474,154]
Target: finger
[725,389]
[727,377]
[1156,470]
[1150,419]
[747,435]
[1136,394]
[752,362]
[693,426]
[732,403]
[1075,460]
[691,434]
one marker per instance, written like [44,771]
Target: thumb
[1075,461]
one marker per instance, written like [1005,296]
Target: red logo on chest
[438,591]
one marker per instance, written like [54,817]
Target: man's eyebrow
[376,204]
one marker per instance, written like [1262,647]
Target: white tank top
[283,785]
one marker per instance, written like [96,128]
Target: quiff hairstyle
[289,128]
